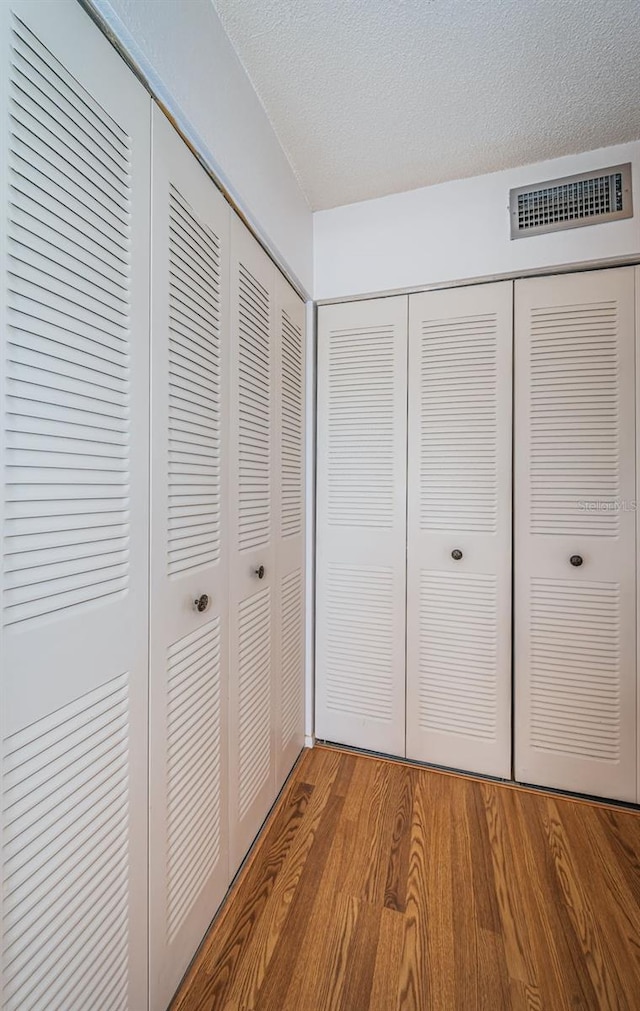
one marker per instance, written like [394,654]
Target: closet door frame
[546,273]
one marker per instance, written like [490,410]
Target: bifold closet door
[361,528]
[267,535]
[459,528]
[575,544]
[290,595]
[254,523]
[74,332]
[188,839]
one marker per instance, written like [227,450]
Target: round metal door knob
[456,554]
[202,602]
[260,572]
[576,560]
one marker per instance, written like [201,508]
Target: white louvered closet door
[290,548]
[361,509]
[253,584]
[188,839]
[575,624]
[74,334]
[459,528]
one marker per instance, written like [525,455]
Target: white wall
[182,49]
[459,230]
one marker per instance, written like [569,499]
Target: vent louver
[587,199]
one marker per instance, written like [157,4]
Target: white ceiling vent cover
[586,199]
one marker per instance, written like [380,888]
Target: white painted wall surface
[182,48]
[459,230]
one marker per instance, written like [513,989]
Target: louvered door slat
[73,643]
[458,611]
[575,658]
[189,860]
[361,475]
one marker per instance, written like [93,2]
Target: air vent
[586,199]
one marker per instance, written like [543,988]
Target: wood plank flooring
[380,886]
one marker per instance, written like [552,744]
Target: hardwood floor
[380,886]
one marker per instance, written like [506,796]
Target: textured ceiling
[370,97]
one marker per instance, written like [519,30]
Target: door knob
[456,554]
[259,572]
[576,560]
[202,602]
